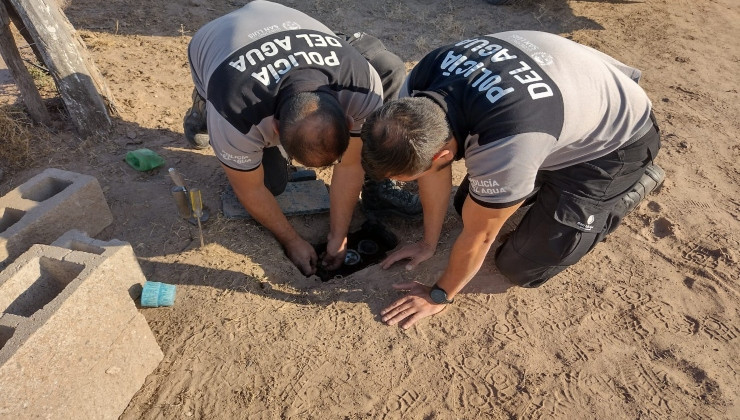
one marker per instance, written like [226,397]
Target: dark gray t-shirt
[523,101]
[243,62]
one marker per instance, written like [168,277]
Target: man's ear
[444,156]
[350,122]
[276,126]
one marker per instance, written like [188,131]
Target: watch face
[438,296]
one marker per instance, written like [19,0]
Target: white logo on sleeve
[486,187]
[542,58]
[289,25]
[240,160]
[589,223]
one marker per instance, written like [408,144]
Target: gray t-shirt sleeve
[360,105]
[503,173]
[239,151]
[630,72]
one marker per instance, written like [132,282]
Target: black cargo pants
[574,209]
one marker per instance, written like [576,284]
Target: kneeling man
[538,119]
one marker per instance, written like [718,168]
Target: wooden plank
[66,58]
[9,50]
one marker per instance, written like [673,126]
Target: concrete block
[47,205]
[299,198]
[72,341]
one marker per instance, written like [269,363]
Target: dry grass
[15,130]
[422,44]
[23,145]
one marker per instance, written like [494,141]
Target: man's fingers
[392,259]
[309,268]
[393,305]
[397,310]
[333,261]
[417,259]
[417,253]
[412,320]
[332,265]
[400,315]
[314,259]
[305,268]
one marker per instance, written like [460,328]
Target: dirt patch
[644,326]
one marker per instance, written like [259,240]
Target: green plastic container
[144,159]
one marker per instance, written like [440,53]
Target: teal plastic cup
[156,294]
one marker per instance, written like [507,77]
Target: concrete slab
[72,341]
[299,198]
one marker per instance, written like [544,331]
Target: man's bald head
[313,128]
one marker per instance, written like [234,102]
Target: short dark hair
[313,128]
[402,137]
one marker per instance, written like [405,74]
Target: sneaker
[649,182]
[194,123]
[381,197]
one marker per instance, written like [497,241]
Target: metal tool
[180,194]
[177,178]
[196,201]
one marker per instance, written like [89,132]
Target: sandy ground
[646,326]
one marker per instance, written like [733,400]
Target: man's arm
[262,206]
[434,192]
[481,225]
[346,183]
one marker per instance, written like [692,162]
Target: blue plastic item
[155,294]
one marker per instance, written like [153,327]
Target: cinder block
[72,342]
[47,205]
[299,198]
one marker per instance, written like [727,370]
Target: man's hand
[414,306]
[335,252]
[417,253]
[303,256]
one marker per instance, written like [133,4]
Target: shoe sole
[200,142]
[657,174]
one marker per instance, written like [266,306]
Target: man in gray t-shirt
[271,81]
[538,119]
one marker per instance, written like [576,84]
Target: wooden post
[64,54]
[18,70]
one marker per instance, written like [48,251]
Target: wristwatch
[439,296]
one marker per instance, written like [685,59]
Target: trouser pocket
[551,237]
[582,221]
